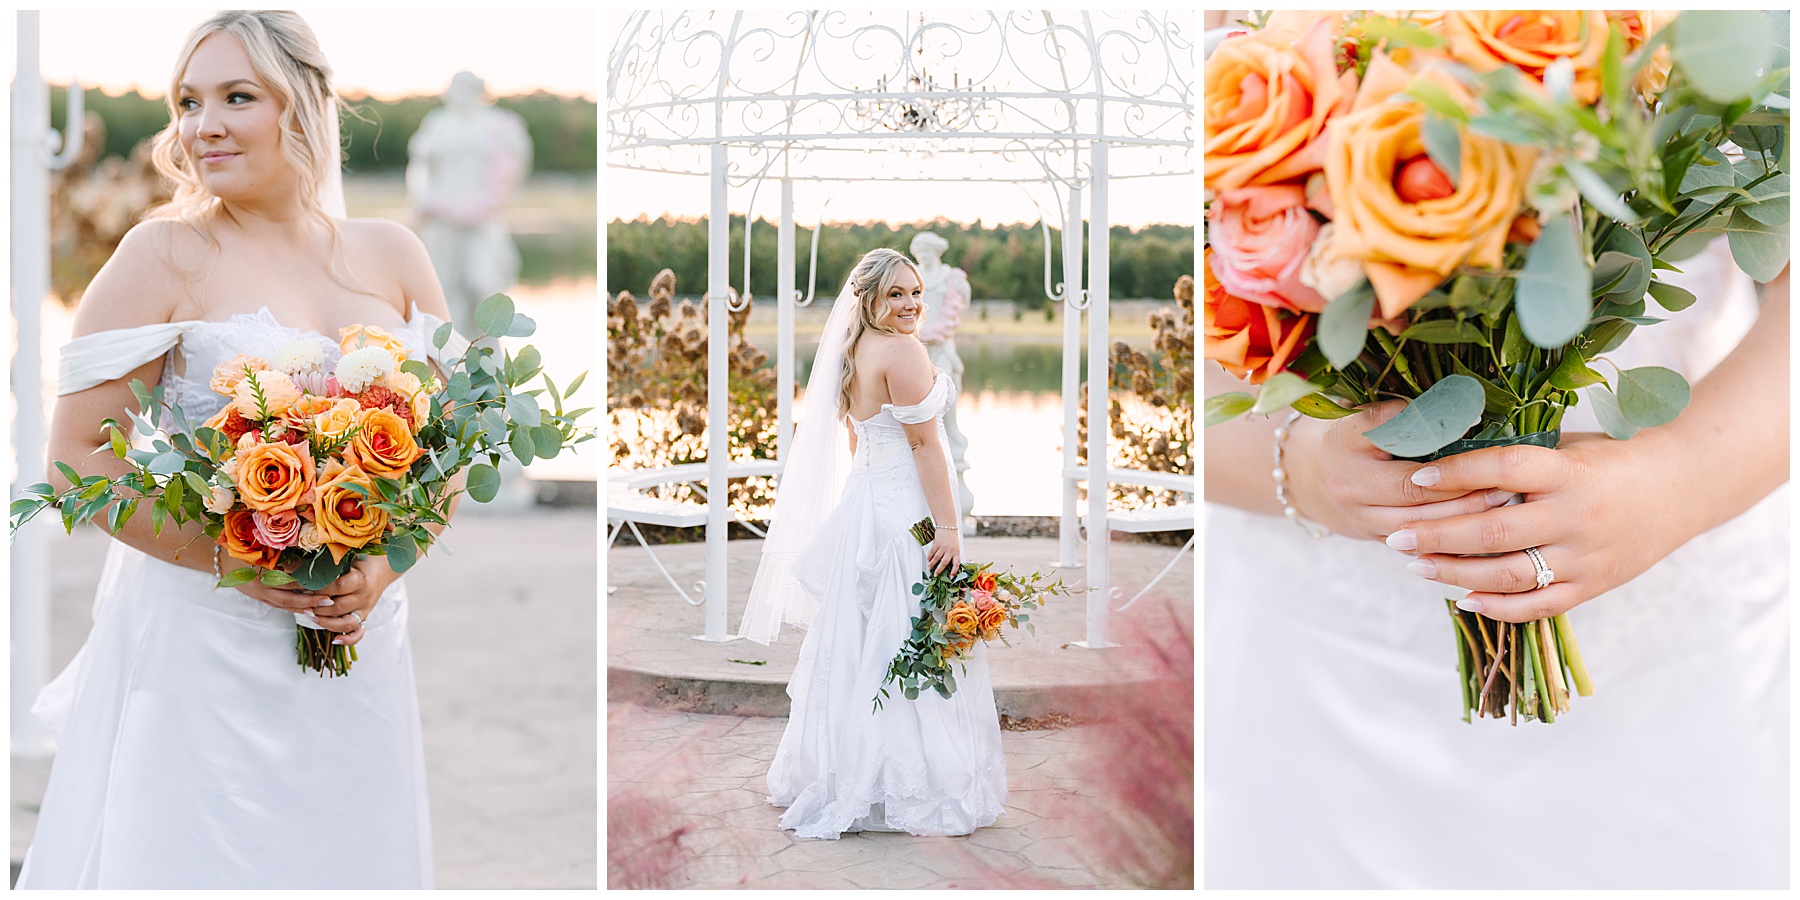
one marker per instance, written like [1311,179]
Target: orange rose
[383,444]
[991,619]
[336,418]
[353,337]
[345,519]
[986,582]
[274,477]
[1250,340]
[1530,39]
[1267,100]
[240,541]
[301,414]
[1408,248]
[962,619]
[1639,25]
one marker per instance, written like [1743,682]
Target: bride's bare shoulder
[143,282]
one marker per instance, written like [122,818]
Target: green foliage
[1003,262]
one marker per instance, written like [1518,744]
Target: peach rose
[302,413]
[279,394]
[274,476]
[1250,340]
[1530,39]
[227,374]
[279,530]
[1639,25]
[221,500]
[346,520]
[337,418]
[383,444]
[240,541]
[1408,248]
[354,337]
[962,619]
[992,618]
[1268,98]
[1261,236]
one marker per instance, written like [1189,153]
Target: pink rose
[279,530]
[1260,236]
[983,599]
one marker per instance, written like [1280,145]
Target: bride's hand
[353,598]
[1341,481]
[1596,509]
[288,598]
[945,552]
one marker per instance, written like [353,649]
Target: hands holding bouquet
[327,484]
[1467,211]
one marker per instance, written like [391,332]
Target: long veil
[812,479]
[331,190]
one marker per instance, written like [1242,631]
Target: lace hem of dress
[902,793]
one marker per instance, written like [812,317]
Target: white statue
[463,165]
[946,296]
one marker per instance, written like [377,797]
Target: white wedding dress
[1336,756]
[192,750]
[930,766]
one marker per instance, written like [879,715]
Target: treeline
[1004,262]
[564,130]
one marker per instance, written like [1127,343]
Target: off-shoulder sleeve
[103,356]
[927,409]
[453,348]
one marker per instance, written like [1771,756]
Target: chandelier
[924,104]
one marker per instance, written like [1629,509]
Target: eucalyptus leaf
[442,336]
[1759,249]
[521,445]
[1435,418]
[522,326]
[1436,99]
[1710,169]
[1443,144]
[1771,204]
[1606,410]
[1722,52]
[1225,407]
[523,409]
[1670,297]
[546,441]
[402,553]
[168,463]
[1319,406]
[1553,301]
[1279,391]
[1625,240]
[317,571]
[1344,325]
[483,482]
[494,315]
[1603,196]
[1445,331]
[1652,395]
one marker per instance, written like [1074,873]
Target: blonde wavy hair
[285,54]
[874,274]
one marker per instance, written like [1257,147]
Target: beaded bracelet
[1281,480]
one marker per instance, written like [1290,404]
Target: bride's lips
[217,156]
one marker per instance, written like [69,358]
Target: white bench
[1179,517]
[627,506]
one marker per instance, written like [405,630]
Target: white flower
[229,468]
[360,368]
[299,356]
[311,538]
[222,498]
[1330,276]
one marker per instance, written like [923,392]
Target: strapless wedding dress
[192,751]
[1336,756]
[930,766]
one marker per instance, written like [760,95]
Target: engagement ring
[1545,574]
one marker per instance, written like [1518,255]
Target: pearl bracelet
[1281,482]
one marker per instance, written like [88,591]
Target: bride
[192,751]
[839,561]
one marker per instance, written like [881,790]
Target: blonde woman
[191,751]
[839,561]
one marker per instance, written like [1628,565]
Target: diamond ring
[1545,575]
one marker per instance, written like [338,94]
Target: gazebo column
[1068,531]
[1099,418]
[718,396]
[784,318]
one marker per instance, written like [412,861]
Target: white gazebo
[1058,103]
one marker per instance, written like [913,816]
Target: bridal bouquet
[958,607]
[1467,210]
[305,469]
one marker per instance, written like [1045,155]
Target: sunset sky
[384,53]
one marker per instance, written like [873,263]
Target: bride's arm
[1602,511]
[906,367]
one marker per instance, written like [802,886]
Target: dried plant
[93,202]
[1159,435]
[656,381]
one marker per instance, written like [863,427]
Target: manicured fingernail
[340,641]
[1404,539]
[1424,568]
[1469,603]
[324,601]
[1428,476]
[1499,498]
